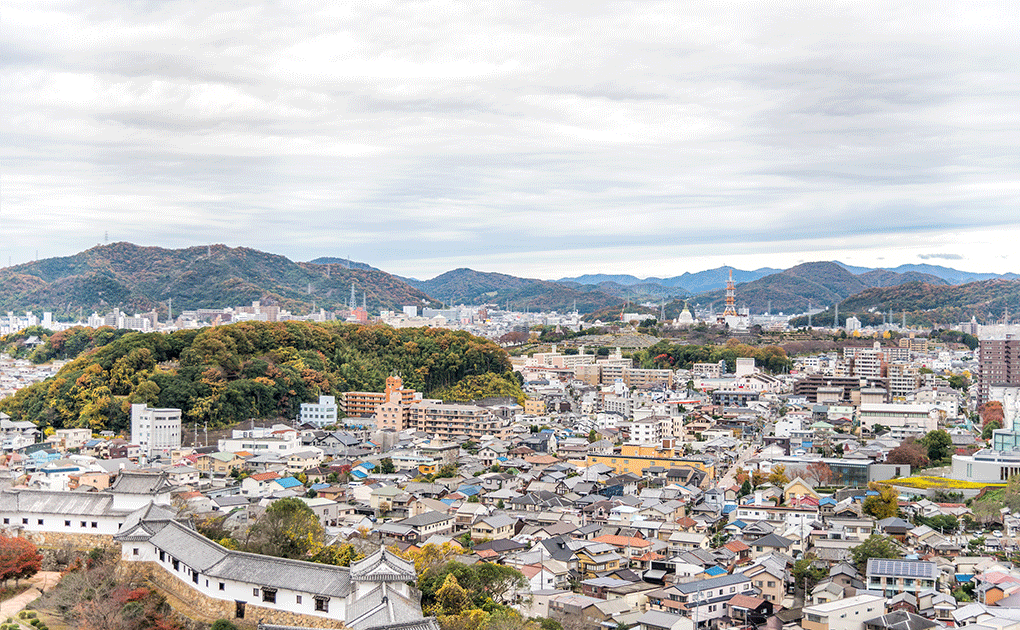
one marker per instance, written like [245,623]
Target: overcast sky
[541,139]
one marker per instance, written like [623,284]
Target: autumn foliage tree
[991,411]
[819,473]
[19,559]
[884,504]
[910,452]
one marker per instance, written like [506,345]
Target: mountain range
[467,286]
[816,284]
[138,279]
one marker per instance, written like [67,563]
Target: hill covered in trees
[226,374]
[932,304]
[816,283]
[138,279]
[468,286]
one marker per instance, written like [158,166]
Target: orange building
[367,404]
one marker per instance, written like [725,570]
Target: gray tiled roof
[323,579]
[383,565]
[209,558]
[128,482]
[46,502]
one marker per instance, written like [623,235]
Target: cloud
[410,135]
[940,257]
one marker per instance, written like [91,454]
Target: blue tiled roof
[289,482]
[728,508]
[469,490]
[714,571]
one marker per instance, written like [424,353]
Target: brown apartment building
[366,404]
[999,364]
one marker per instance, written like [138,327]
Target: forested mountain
[941,304]
[138,279]
[343,262]
[468,286]
[231,373]
[886,278]
[817,283]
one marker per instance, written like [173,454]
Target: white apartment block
[320,414]
[155,431]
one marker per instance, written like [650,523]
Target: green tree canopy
[287,529]
[939,444]
[874,546]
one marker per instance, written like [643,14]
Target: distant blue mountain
[699,282]
[950,275]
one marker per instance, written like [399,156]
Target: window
[321,603]
[254,592]
[223,586]
[134,552]
[84,524]
[269,595]
[7,521]
[24,521]
[194,577]
[162,556]
[177,565]
[95,524]
[66,523]
[298,599]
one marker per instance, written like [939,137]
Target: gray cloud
[535,139]
[940,257]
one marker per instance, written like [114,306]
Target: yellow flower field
[927,483]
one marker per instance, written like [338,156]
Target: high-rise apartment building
[999,364]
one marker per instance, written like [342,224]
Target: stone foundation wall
[196,606]
[61,540]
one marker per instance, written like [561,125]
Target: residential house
[595,558]
[497,527]
[769,577]
[901,576]
[704,600]
[258,484]
[771,543]
[844,614]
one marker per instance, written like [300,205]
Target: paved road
[40,582]
[729,478]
